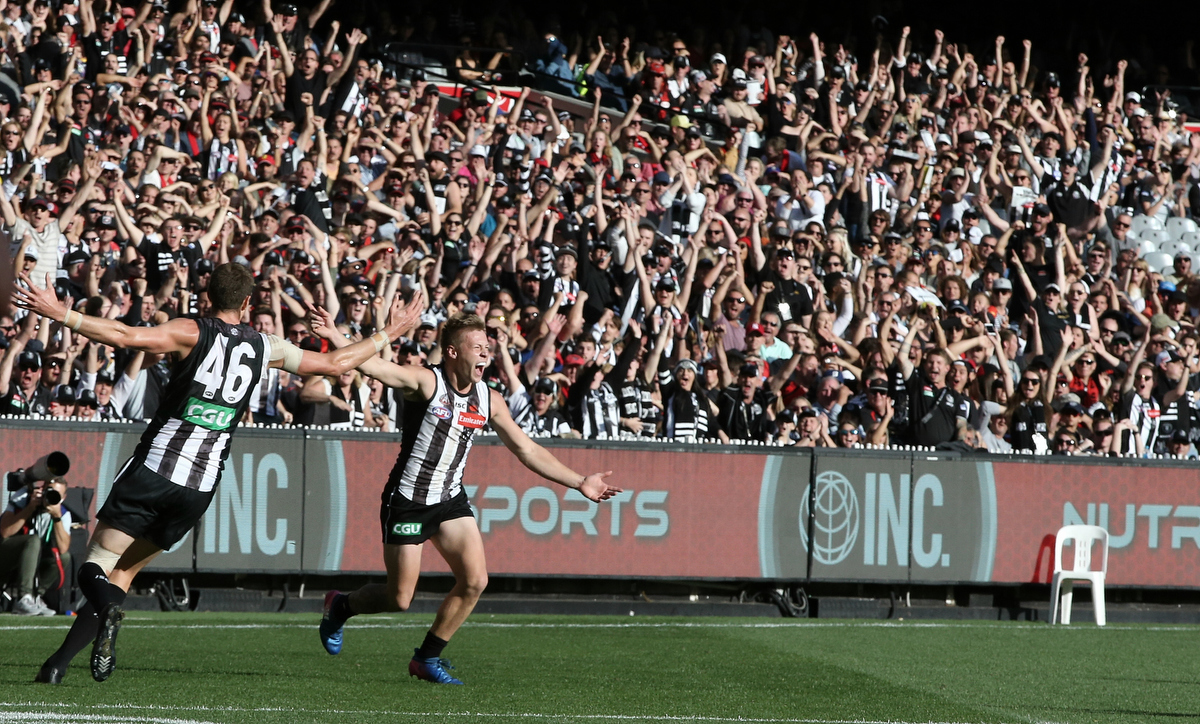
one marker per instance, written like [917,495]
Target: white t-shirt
[50,245]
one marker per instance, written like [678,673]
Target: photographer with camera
[35,535]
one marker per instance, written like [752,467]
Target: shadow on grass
[1184,682]
[1126,712]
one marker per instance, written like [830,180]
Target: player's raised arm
[539,460]
[403,318]
[334,363]
[176,336]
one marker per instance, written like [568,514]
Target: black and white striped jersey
[438,434]
[188,439]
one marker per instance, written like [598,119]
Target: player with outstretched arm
[163,490]
[445,407]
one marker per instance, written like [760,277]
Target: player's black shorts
[405,522]
[146,505]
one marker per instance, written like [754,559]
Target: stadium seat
[1084,537]
[1174,246]
[1145,247]
[1142,223]
[1158,260]
[1191,238]
[1177,226]
[1157,236]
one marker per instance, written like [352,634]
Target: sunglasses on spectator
[1034,381]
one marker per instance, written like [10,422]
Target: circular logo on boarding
[834,520]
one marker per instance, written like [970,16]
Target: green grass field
[225,668]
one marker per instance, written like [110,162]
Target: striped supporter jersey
[188,439]
[437,437]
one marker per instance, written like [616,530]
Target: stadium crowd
[781,243]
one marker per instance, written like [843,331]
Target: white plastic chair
[1084,536]
[1191,238]
[1144,247]
[1142,223]
[1158,260]
[1158,236]
[1173,247]
[1177,226]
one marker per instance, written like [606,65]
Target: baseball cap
[748,370]
[545,385]
[1161,321]
[717,58]
[79,256]
[1002,285]
[754,328]
[65,396]
[681,121]
[574,360]
[878,385]
[87,398]
[29,360]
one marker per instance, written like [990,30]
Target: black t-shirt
[1051,326]
[96,48]
[297,84]
[1028,419]
[313,202]
[744,420]
[1069,205]
[81,136]
[932,411]
[790,299]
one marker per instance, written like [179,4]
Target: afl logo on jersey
[441,413]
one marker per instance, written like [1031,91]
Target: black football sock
[340,609]
[97,588]
[432,648]
[82,633]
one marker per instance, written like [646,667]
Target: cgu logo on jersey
[208,415]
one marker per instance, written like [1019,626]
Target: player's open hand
[322,322]
[404,317]
[41,301]
[595,489]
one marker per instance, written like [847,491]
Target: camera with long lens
[48,467]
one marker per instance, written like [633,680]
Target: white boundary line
[45,715]
[1011,626]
